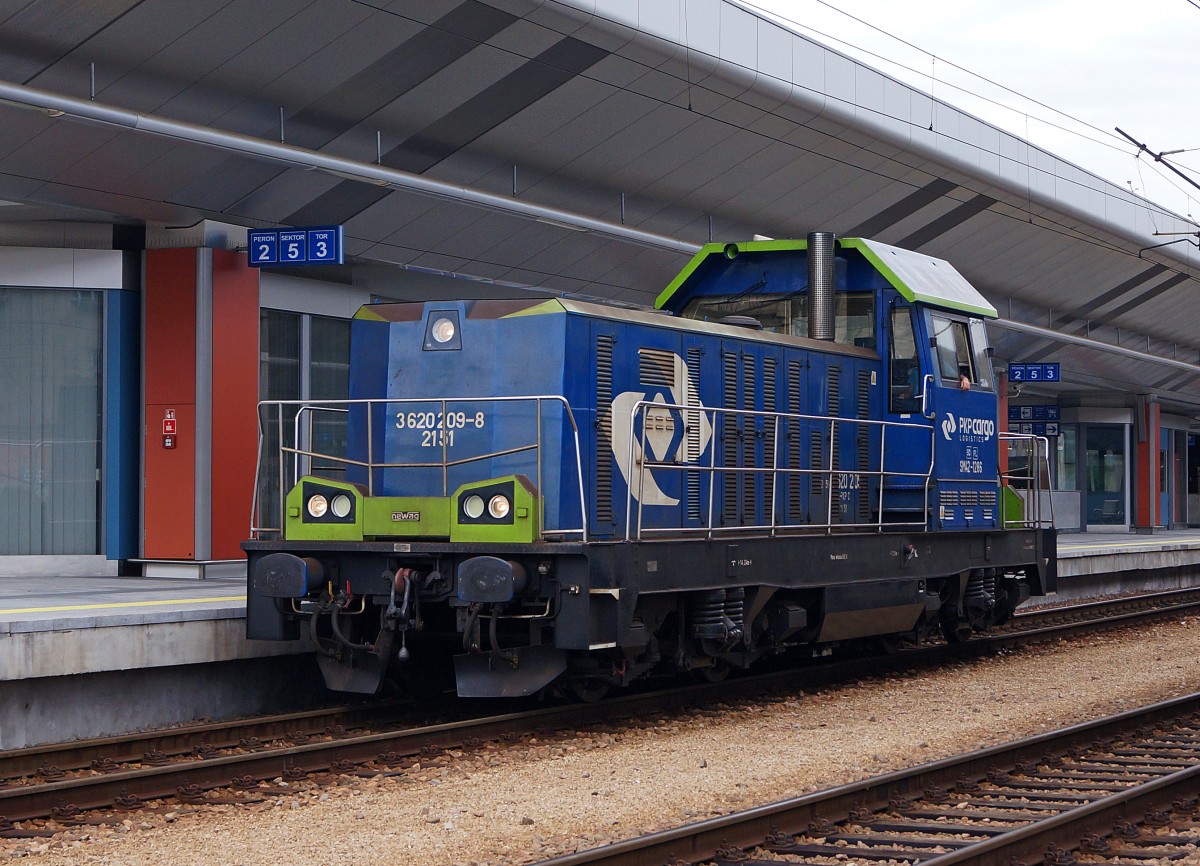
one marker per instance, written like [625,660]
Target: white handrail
[309,408]
[774,470]
[1039,454]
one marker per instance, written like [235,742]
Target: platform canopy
[567,146]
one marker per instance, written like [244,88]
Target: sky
[1092,64]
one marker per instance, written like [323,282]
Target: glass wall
[303,357]
[1066,448]
[1105,451]
[50,391]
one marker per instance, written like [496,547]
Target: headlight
[443,330]
[340,505]
[317,505]
[473,506]
[499,506]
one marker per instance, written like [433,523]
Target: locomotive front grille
[729,436]
[693,422]
[769,429]
[793,439]
[864,442]
[656,367]
[604,455]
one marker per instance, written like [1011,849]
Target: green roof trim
[720,249]
[365,312]
[916,276]
[923,278]
[546,308]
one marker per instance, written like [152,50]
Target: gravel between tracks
[533,800]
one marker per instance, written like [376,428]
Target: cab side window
[953,349]
[905,376]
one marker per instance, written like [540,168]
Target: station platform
[177,646]
[62,626]
[1101,553]
[82,657]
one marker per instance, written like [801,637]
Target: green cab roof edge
[712,249]
[916,276]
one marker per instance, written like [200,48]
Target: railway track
[221,762]
[1122,789]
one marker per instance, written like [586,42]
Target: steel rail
[701,842]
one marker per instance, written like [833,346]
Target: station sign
[1032,413]
[1034,373]
[317,245]
[1034,420]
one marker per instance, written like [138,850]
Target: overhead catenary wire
[1106,139]
[692,86]
[937,57]
[1158,157]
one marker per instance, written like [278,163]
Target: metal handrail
[309,412]
[372,465]
[640,409]
[1039,453]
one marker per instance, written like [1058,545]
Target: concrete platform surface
[56,603]
[63,626]
[1100,552]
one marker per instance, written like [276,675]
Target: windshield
[854,314]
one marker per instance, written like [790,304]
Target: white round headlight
[317,505]
[498,506]
[473,506]
[443,330]
[340,505]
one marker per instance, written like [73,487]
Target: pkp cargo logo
[669,433]
[968,429]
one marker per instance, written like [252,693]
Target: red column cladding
[1146,514]
[170,365]
[1002,422]
[235,400]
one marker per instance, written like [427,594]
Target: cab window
[983,363]
[905,381]
[953,349]
[961,351]
[854,314]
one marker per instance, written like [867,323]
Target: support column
[1002,420]
[200,393]
[1146,433]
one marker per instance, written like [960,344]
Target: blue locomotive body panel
[713,442]
[444,419]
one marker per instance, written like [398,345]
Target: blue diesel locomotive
[798,448]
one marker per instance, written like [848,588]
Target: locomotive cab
[926,323]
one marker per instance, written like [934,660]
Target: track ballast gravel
[519,803]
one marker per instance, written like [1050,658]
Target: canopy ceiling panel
[675,119]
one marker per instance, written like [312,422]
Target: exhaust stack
[820,286]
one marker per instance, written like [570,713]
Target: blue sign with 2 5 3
[1034,373]
[319,245]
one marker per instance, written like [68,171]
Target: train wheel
[955,629]
[587,690]
[889,644]
[717,672]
